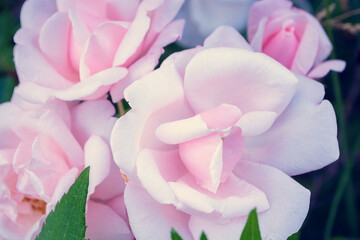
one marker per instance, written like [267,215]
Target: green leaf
[251,230]
[295,236]
[175,235]
[67,221]
[203,236]
[7,85]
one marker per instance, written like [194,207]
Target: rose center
[36,204]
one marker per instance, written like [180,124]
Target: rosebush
[215,132]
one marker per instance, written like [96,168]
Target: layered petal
[142,210]
[103,223]
[288,200]
[228,69]
[303,138]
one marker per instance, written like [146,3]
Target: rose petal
[148,98]
[155,169]
[98,156]
[233,76]
[93,87]
[103,223]
[233,198]
[323,68]
[256,123]
[225,36]
[92,117]
[203,159]
[288,200]
[303,138]
[263,9]
[142,210]
[35,12]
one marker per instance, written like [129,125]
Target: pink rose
[214,133]
[291,36]
[204,16]
[81,49]
[42,151]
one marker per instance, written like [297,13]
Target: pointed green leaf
[175,235]
[203,236]
[251,230]
[67,221]
[295,236]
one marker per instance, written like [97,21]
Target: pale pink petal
[323,68]
[79,30]
[234,198]
[325,45]
[32,66]
[11,230]
[79,36]
[155,169]
[225,36]
[147,98]
[181,59]
[238,77]
[303,138]
[262,9]
[34,185]
[230,231]
[31,92]
[142,210]
[164,14]
[62,136]
[54,44]
[256,123]
[103,223]
[48,162]
[288,200]
[34,13]
[221,117]
[203,159]
[283,45]
[122,10]
[22,155]
[147,63]
[62,187]
[102,45]
[93,7]
[182,130]
[92,117]
[111,186]
[205,123]
[118,205]
[133,38]
[97,155]
[233,149]
[93,87]
[306,53]
[257,39]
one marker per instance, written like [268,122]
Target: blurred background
[335,200]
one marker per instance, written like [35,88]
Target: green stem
[351,208]
[349,160]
